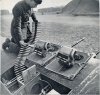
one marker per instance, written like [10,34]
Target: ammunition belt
[23,53]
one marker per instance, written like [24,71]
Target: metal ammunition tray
[69,73]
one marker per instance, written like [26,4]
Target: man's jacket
[21,13]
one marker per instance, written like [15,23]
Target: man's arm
[17,21]
[34,18]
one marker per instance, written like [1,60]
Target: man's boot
[10,46]
[5,45]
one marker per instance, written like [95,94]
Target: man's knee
[14,48]
[16,37]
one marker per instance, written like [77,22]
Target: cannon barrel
[78,42]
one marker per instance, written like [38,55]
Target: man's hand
[36,21]
[23,43]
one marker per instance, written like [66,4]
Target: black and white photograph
[49,47]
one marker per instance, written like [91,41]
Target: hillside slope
[82,7]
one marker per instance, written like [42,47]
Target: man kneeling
[20,30]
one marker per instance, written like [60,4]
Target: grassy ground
[64,30]
[68,34]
